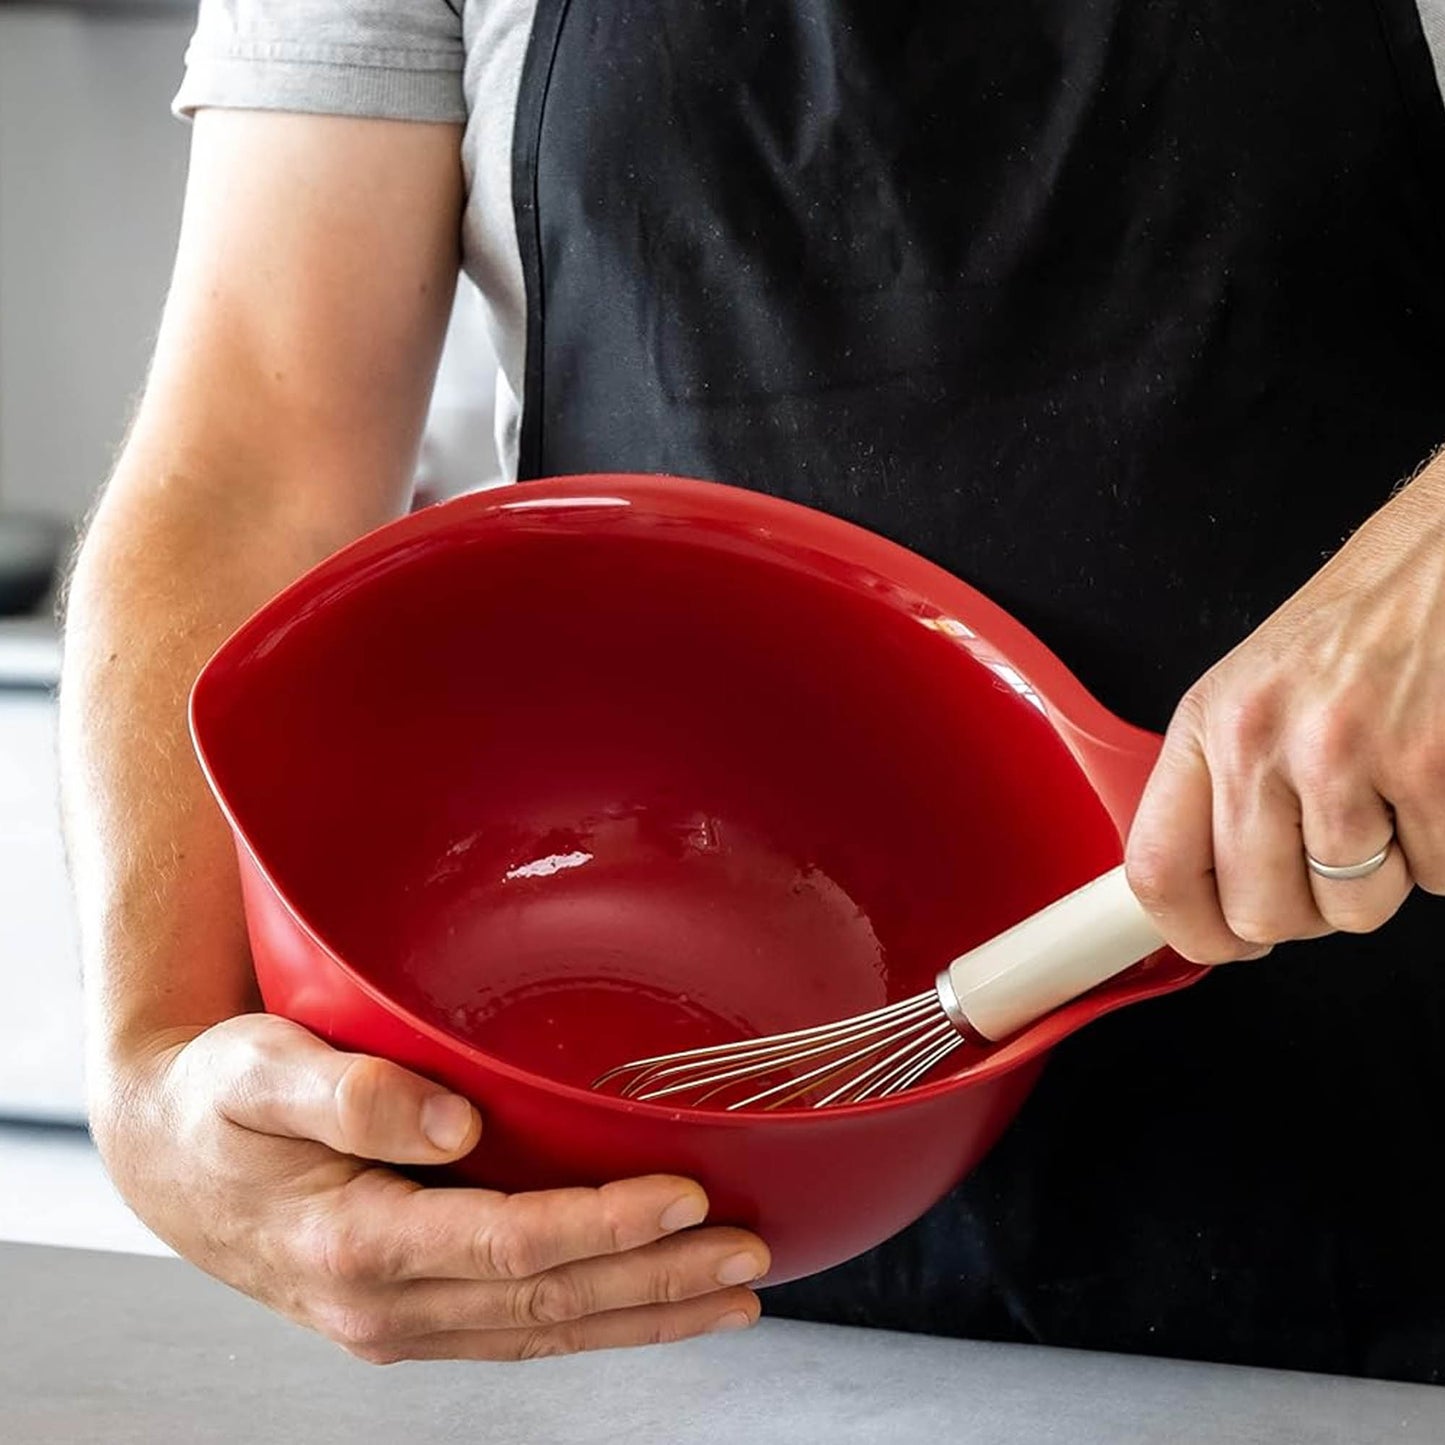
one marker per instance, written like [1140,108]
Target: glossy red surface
[556,775]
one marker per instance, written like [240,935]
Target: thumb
[274,1077]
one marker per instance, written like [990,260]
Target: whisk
[983,996]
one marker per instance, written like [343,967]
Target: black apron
[1128,312]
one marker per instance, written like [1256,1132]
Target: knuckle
[358,1094]
[547,1299]
[350,1261]
[667,1285]
[251,1057]
[502,1251]
[1150,874]
[1212,952]
[666,1329]
[616,1232]
[1243,727]
[312,1249]
[1257,932]
[1193,708]
[338,1253]
[545,1342]
[1330,748]
[1355,918]
[356,1327]
[1204,956]
[378,1354]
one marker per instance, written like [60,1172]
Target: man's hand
[1323,732]
[279,1137]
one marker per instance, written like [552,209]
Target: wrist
[1402,537]
[126,1078]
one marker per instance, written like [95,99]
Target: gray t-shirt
[428,60]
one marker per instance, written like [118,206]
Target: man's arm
[281,418]
[314,275]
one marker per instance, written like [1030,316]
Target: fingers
[1345,821]
[667,1272]
[372,1251]
[449,1234]
[1420,837]
[1414,782]
[1169,859]
[276,1078]
[1259,862]
[647,1325]
[393,1270]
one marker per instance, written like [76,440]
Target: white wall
[92,167]
[41,1053]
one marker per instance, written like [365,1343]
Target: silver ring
[1345,871]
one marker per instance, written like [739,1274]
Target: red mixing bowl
[556,775]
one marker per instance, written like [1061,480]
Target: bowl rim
[981,626]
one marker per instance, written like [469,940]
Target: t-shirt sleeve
[392,59]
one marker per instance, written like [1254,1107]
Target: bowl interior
[579,789]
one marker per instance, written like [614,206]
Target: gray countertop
[134,1351]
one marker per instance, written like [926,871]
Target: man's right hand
[259,1152]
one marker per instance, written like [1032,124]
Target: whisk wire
[805,1083]
[773,1045]
[912,1030]
[900,1056]
[908,1064]
[798,1043]
[747,1062]
[945,1042]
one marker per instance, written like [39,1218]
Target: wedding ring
[1345,871]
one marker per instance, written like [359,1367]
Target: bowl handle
[1114,756]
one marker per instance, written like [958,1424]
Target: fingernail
[683,1213]
[732,1320]
[446,1120]
[738,1269]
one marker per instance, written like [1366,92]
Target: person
[1130,314]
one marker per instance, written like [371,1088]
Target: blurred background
[92,169]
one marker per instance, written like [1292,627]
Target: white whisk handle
[1054,956]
